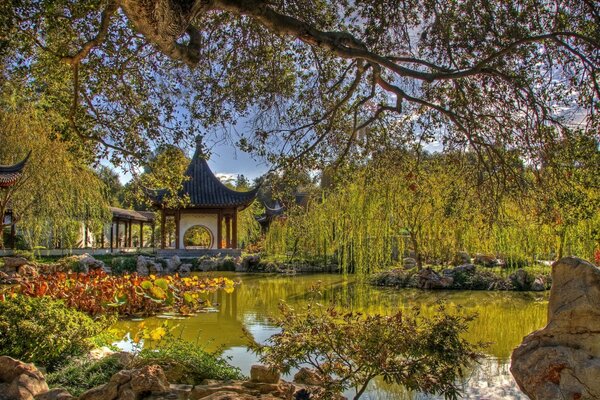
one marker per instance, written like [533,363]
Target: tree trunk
[560,244]
[415,244]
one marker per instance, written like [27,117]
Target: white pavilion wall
[210,221]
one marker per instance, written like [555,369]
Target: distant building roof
[205,189]
[9,174]
[141,216]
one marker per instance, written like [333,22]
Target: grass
[80,375]
[186,363]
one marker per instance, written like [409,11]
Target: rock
[520,279]
[562,360]
[250,262]
[486,260]
[150,378]
[461,258]
[155,268]
[538,285]
[20,381]
[409,263]
[89,263]
[55,394]
[141,266]
[131,384]
[28,271]
[429,279]
[307,376]
[271,267]
[185,269]
[12,263]
[208,264]
[263,374]
[172,264]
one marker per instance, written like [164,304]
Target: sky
[226,161]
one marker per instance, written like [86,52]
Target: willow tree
[58,191]
[311,75]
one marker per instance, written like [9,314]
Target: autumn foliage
[99,293]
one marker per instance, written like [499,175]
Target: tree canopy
[313,79]
[58,190]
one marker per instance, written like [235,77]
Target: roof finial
[199,139]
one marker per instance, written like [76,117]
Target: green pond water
[504,318]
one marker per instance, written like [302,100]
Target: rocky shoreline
[22,381]
[462,277]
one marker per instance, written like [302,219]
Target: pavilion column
[234,230]
[112,227]
[141,234]
[153,238]
[163,234]
[177,225]
[227,231]
[130,234]
[220,230]
[118,239]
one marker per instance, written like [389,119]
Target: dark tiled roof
[10,173]
[143,216]
[206,190]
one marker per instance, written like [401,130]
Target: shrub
[82,374]
[122,265]
[426,354]
[45,331]
[99,293]
[186,363]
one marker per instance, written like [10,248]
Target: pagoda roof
[9,174]
[134,215]
[205,190]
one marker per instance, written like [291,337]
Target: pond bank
[463,277]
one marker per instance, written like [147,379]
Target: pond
[504,318]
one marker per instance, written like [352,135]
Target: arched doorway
[198,237]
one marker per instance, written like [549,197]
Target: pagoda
[10,174]
[210,206]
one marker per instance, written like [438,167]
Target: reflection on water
[503,319]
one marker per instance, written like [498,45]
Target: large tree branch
[76,58]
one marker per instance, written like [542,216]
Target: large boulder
[562,360]
[429,279]
[172,264]
[131,384]
[20,381]
[141,266]
[486,260]
[12,263]
[263,374]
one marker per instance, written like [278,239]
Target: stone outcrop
[20,381]
[562,360]
[429,279]
[12,263]
[131,384]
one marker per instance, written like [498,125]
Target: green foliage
[349,349]
[58,190]
[430,206]
[45,331]
[186,362]
[82,374]
[123,265]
